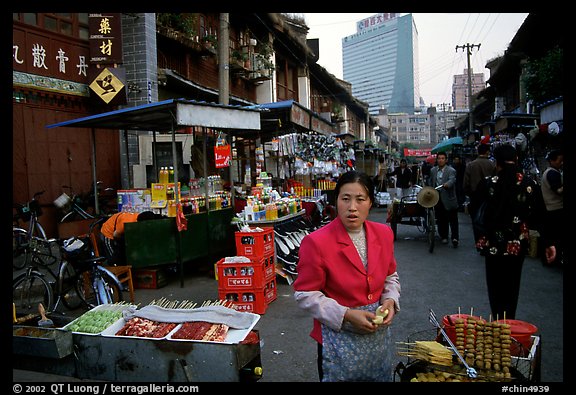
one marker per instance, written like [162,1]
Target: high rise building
[460,88]
[381,62]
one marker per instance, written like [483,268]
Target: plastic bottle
[171,174]
[163,175]
[248,374]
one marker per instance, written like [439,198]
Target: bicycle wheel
[28,291]
[99,287]
[19,248]
[431,220]
[70,292]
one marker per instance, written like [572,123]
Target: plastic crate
[252,244]
[241,276]
[251,300]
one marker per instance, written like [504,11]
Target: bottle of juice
[171,174]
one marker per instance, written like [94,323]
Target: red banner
[417,152]
[222,155]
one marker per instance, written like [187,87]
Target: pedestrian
[553,196]
[381,175]
[346,270]
[476,171]
[511,201]
[460,167]
[403,178]
[112,234]
[444,176]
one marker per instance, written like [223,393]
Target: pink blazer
[329,262]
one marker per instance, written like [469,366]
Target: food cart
[161,242]
[110,355]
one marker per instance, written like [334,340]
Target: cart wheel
[431,225]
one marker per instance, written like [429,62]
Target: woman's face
[353,205]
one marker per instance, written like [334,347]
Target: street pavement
[447,281]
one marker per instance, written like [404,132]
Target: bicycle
[71,207]
[419,208]
[21,235]
[79,280]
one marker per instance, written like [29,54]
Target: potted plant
[210,41]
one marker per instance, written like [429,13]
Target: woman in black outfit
[512,209]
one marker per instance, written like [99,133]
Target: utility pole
[223,58]
[469,48]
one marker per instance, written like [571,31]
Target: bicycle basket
[63,201]
[77,249]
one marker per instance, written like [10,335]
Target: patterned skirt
[351,356]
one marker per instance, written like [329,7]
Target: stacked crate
[250,286]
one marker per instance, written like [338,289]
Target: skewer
[469,370]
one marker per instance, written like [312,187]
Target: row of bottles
[166,175]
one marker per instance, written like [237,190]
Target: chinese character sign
[105,38]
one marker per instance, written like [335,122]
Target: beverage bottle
[248,374]
[171,174]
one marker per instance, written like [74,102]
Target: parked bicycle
[71,206]
[79,279]
[25,226]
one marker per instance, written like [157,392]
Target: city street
[446,281]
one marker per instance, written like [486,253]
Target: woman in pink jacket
[346,270]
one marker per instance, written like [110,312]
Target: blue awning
[171,114]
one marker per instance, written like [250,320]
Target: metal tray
[103,307]
[115,327]
[234,336]
[41,342]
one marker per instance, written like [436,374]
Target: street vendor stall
[160,242]
[169,341]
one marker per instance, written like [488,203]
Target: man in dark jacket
[403,177]
[444,176]
[475,172]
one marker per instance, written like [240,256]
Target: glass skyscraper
[381,62]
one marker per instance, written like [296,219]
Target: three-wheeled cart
[416,209]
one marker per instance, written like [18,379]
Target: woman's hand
[361,320]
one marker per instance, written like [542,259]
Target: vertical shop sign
[222,155]
[105,31]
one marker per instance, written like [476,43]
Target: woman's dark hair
[359,177]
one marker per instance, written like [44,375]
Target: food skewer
[469,370]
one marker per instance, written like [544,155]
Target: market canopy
[169,115]
[447,145]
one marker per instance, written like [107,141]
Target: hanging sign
[222,155]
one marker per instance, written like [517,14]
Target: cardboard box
[149,278]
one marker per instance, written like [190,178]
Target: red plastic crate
[251,300]
[241,276]
[252,244]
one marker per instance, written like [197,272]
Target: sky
[438,36]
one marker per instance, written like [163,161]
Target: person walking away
[403,178]
[553,196]
[112,234]
[444,176]
[346,270]
[475,172]
[381,176]
[511,203]
[460,167]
